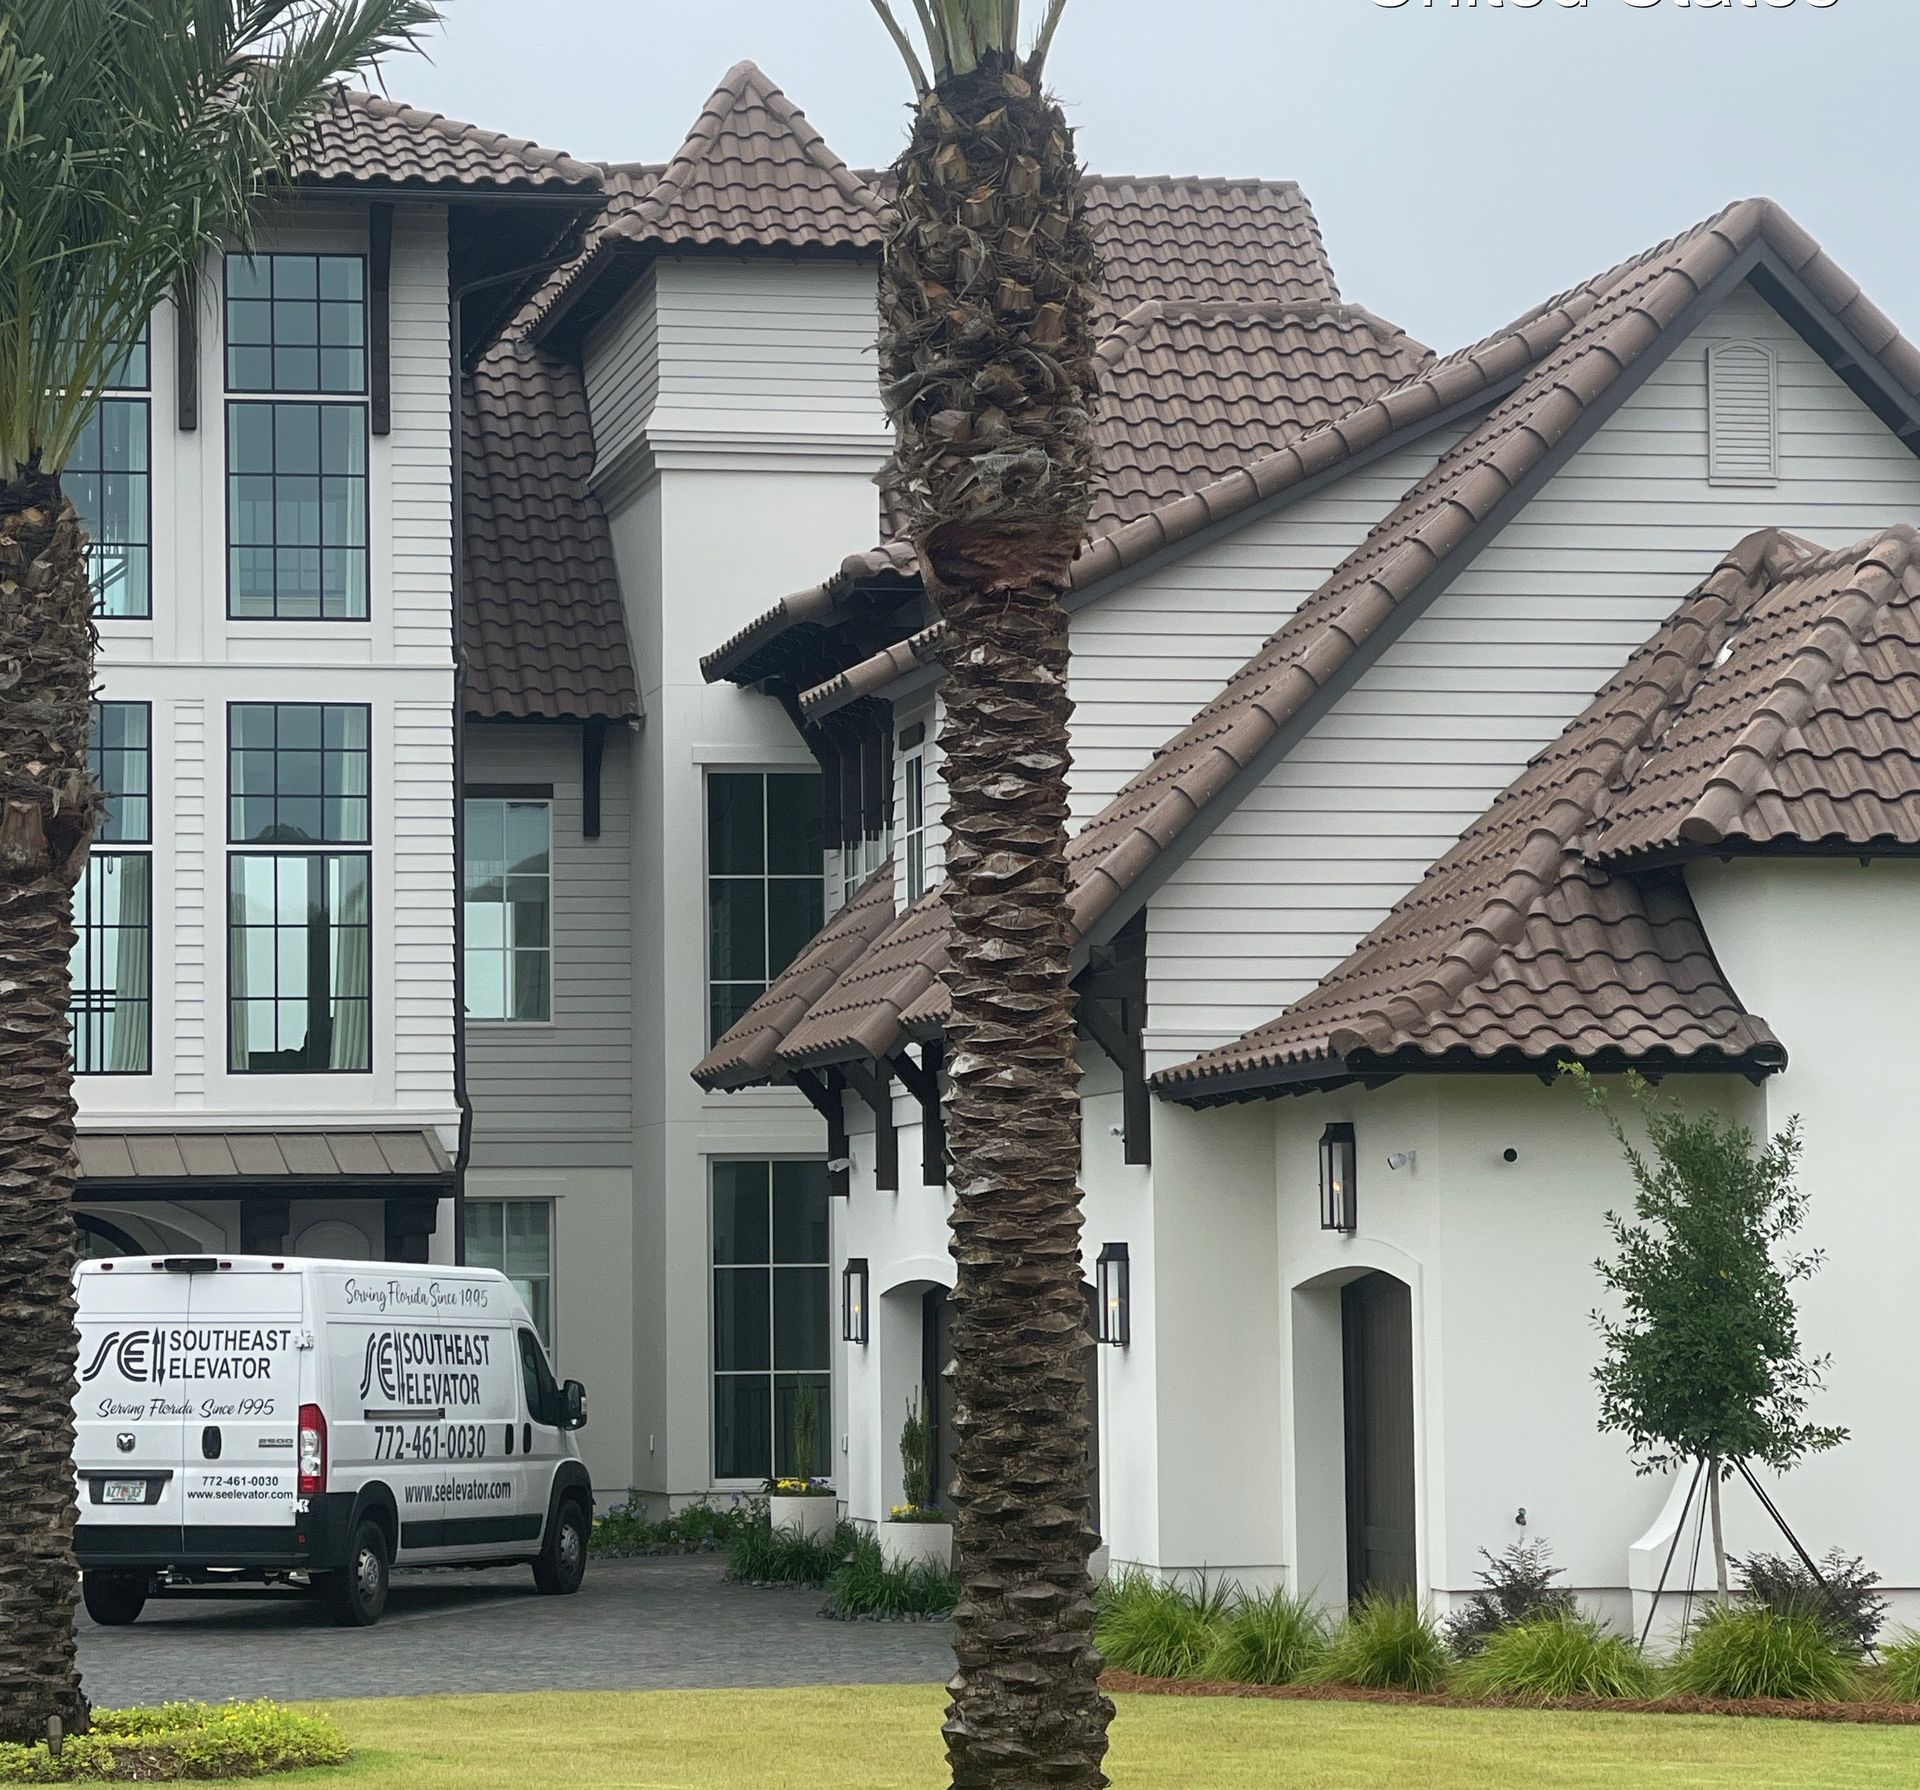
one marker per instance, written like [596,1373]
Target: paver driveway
[634,1624]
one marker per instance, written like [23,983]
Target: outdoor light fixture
[1339,1194]
[853,1300]
[1113,1284]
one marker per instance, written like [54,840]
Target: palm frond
[961,34]
[135,138]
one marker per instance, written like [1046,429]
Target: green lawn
[885,1738]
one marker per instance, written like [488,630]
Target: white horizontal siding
[189,913]
[622,371]
[1149,655]
[561,1095]
[1313,859]
[420,447]
[423,895]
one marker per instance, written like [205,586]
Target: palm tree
[986,345]
[135,136]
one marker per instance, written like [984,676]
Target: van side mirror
[573,1402]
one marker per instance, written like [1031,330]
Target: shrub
[1901,1665]
[1385,1643]
[1160,1629]
[1553,1657]
[759,1554]
[180,1740]
[864,1585]
[1842,1597]
[1519,1588]
[1747,1650]
[628,1533]
[1268,1640]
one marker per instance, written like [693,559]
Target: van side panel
[241,1378]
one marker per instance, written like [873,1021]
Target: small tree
[916,1455]
[1706,1364]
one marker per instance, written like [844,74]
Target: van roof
[159,1262]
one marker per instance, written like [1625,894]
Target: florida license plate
[124,1491]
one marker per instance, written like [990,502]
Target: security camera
[1509,1154]
[1402,1159]
[839,1165]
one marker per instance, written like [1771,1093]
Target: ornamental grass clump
[180,1740]
[1385,1643]
[1556,1657]
[1275,1639]
[1900,1667]
[865,1586]
[1158,1628]
[759,1554]
[1751,1651]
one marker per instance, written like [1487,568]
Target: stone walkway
[634,1624]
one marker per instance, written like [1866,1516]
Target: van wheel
[114,1599]
[357,1592]
[563,1561]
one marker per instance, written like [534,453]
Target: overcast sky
[1464,164]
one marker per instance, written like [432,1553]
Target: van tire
[563,1561]
[357,1592]
[114,1599]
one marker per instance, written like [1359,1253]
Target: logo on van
[423,1367]
[149,1357]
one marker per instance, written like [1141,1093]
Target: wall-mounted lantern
[1113,1282]
[1339,1193]
[853,1300]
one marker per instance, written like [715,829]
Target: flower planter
[808,1518]
[917,1544]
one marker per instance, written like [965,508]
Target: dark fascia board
[233,1187]
[1414,605]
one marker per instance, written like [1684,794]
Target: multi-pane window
[299,956]
[296,323]
[516,1237]
[509,908]
[297,512]
[771,1296]
[297,472]
[764,887]
[299,949]
[109,479]
[913,833]
[112,963]
[111,1006]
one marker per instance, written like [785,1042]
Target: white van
[246,1419]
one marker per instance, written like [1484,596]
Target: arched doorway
[1376,1335]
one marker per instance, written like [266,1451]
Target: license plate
[124,1491]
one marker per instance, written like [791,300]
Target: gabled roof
[1783,692]
[367,140]
[1550,377]
[752,175]
[543,632]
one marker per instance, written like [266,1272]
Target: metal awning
[370,1164]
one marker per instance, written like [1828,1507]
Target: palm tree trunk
[986,296]
[47,808]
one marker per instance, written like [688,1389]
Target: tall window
[111,1006]
[765,893]
[297,471]
[516,1236]
[299,947]
[913,833]
[108,478]
[770,1314]
[509,908]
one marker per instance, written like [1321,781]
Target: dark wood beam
[826,1095]
[186,354]
[875,1088]
[380,314]
[922,1081]
[593,746]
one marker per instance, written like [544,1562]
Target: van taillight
[313,1451]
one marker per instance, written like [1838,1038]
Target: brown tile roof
[1553,365]
[1804,731]
[747,1050]
[367,140]
[891,986]
[1772,693]
[270,1156]
[752,174]
[542,628]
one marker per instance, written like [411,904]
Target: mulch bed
[1896,1714]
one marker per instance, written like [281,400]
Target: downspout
[462,1098]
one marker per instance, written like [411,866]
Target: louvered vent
[1743,435]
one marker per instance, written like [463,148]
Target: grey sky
[1464,164]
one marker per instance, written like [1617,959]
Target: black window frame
[128,387]
[319,964]
[276,258]
[745,990]
[505,801]
[90,1007]
[324,752]
[272,405]
[106,832]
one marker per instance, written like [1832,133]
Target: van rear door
[129,1416]
[239,1372]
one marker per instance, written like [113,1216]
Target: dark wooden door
[1376,1323]
[935,1352]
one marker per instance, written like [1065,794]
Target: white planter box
[917,1544]
[811,1519]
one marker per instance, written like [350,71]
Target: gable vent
[1743,433]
